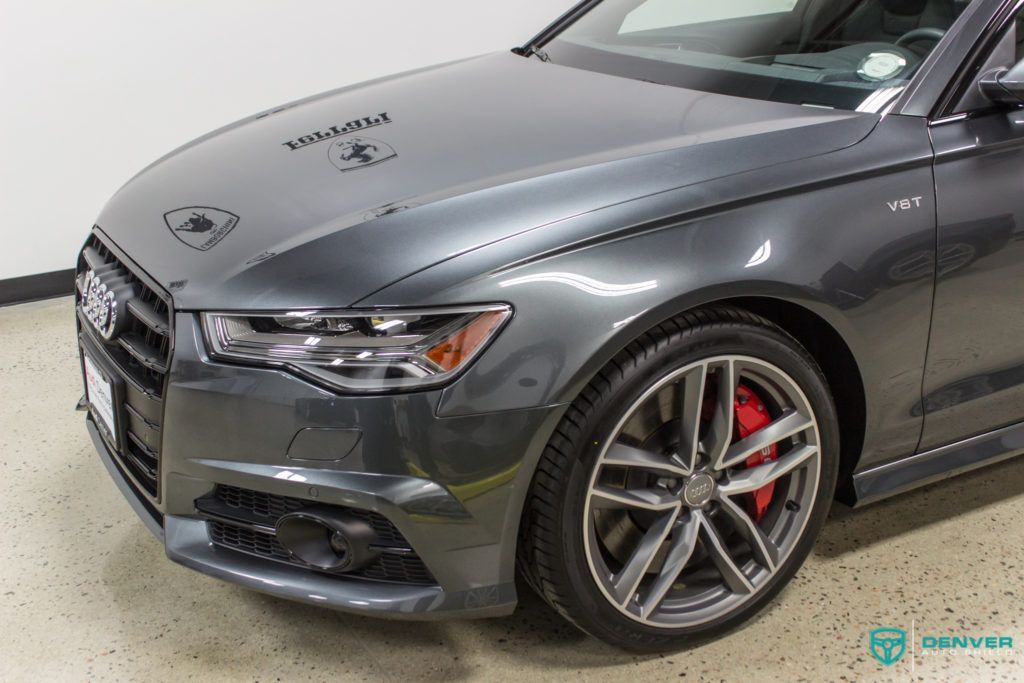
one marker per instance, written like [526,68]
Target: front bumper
[453,487]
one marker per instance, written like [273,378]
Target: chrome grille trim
[139,357]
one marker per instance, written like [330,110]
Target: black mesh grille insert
[139,355]
[269,508]
[248,541]
[228,504]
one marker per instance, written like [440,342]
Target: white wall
[93,90]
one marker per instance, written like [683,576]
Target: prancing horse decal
[348,154]
[200,227]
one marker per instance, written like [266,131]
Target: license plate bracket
[100,395]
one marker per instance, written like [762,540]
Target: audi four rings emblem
[99,305]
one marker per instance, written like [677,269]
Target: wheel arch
[821,338]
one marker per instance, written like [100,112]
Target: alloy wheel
[671,536]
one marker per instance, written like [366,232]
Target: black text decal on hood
[200,227]
[335,131]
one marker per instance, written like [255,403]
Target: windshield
[842,54]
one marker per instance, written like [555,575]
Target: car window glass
[839,54]
[1005,52]
[1018,29]
[664,13]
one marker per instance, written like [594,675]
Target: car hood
[324,201]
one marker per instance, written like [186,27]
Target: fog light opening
[327,540]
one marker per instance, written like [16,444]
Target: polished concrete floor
[86,592]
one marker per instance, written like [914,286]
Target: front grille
[244,520]
[140,357]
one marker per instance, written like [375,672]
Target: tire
[574,545]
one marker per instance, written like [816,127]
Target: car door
[974,377]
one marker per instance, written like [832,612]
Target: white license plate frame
[99,393]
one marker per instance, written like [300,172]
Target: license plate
[100,395]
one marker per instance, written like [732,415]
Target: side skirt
[938,464]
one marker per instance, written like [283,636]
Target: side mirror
[1004,86]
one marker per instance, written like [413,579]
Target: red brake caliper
[752,416]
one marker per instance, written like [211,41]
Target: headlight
[361,351]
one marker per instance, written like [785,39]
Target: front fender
[819,233]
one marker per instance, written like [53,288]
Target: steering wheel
[920,34]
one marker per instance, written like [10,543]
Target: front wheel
[685,485]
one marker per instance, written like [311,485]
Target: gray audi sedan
[621,311]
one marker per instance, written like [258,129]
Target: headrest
[906,8]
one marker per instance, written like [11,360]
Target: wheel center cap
[698,490]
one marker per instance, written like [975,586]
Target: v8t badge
[200,227]
[349,154]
